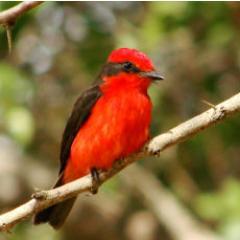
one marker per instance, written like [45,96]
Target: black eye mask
[111,69]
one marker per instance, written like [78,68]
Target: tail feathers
[56,214]
[43,216]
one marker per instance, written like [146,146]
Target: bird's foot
[95,180]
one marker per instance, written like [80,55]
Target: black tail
[56,214]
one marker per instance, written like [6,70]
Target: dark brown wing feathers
[57,214]
[81,110]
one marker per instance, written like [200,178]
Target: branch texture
[176,135]
[8,17]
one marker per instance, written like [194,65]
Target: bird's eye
[128,66]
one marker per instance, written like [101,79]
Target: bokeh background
[58,50]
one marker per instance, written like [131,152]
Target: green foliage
[222,207]
[24,231]
[15,87]
[16,91]
[20,125]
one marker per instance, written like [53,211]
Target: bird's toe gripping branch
[95,180]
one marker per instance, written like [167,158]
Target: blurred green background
[58,50]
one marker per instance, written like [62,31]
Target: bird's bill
[153,75]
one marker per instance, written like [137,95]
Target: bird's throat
[125,82]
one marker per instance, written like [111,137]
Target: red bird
[109,121]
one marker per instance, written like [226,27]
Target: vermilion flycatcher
[109,121]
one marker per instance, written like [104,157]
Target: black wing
[81,110]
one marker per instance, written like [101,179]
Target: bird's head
[129,68]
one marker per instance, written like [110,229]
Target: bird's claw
[155,153]
[95,181]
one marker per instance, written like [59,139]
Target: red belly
[117,127]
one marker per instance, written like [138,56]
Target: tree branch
[176,135]
[9,16]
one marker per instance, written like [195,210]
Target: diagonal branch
[174,136]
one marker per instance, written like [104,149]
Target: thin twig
[154,147]
[208,103]
[9,38]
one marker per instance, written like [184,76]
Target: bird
[109,121]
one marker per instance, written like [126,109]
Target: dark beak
[155,76]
